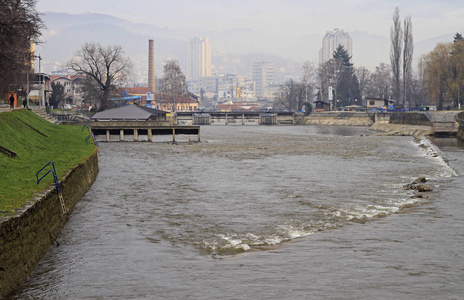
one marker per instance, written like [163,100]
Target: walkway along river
[264,212]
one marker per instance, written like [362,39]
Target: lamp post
[40,83]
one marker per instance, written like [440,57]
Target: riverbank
[30,215]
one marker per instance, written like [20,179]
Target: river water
[264,212]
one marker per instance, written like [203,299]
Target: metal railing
[57,184]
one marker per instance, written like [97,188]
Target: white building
[72,84]
[198,59]
[330,43]
[262,74]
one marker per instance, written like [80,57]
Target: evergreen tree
[457,37]
[57,95]
[347,89]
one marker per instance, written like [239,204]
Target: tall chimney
[151,66]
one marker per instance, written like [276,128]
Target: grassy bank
[36,142]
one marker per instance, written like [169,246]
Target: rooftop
[129,112]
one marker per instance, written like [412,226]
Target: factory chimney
[151,66]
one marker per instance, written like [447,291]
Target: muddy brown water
[258,212]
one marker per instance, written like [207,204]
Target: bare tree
[435,71]
[20,24]
[364,79]
[173,82]
[396,36]
[324,74]
[291,95]
[105,69]
[408,51]
[380,86]
[308,80]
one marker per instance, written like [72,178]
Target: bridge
[241,117]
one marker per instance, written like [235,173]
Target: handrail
[91,135]
[86,124]
[57,184]
[53,171]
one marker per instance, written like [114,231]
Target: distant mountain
[66,33]
[233,50]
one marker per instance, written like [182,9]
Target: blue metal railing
[57,184]
[86,125]
[53,171]
[94,139]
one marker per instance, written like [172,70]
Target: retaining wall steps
[44,115]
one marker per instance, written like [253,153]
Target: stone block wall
[460,133]
[26,236]
[410,118]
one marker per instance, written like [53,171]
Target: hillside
[36,142]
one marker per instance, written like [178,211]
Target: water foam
[430,150]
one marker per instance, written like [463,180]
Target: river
[264,212]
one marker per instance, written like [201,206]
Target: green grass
[36,142]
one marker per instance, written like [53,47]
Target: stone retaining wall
[460,133]
[410,118]
[26,236]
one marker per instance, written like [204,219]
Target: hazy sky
[278,17]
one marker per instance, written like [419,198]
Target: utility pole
[40,83]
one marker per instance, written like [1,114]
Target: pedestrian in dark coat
[12,99]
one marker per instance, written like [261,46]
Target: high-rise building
[262,74]
[331,41]
[199,58]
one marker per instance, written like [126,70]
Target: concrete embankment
[343,118]
[26,236]
[460,133]
[410,123]
[413,124]
[402,129]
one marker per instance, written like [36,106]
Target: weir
[241,117]
[137,129]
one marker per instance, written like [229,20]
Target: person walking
[12,100]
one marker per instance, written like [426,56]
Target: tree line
[438,80]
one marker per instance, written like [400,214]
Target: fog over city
[291,30]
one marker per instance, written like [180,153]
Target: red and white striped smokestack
[151,66]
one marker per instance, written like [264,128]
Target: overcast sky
[278,17]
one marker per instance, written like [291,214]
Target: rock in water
[423,188]
[420,180]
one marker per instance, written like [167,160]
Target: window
[372,102]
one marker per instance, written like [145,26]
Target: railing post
[150,135]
